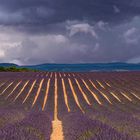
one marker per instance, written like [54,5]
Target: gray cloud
[82,43]
[69,31]
[44,12]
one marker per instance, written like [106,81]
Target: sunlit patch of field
[78,106]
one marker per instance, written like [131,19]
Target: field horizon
[78,67]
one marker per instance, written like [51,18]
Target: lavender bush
[36,126]
[80,127]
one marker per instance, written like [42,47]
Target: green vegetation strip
[16,69]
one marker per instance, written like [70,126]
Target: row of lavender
[24,126]
[76,126]
[116,122]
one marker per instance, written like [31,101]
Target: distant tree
[15,69]
[2,68]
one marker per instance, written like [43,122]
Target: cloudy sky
[69,31]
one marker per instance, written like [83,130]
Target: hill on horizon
[79,67]
[8,65]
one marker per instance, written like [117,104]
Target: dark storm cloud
[44,12]
[69,31]
[82,43]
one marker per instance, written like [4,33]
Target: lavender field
[69,106]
